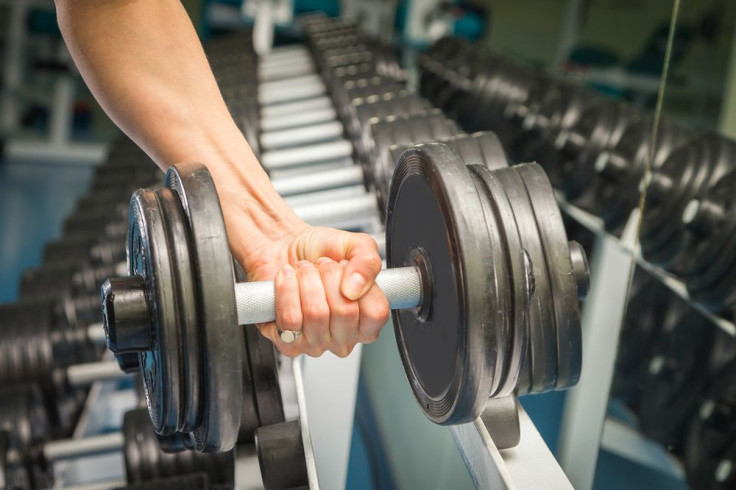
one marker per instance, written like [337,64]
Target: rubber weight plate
[712,430]
[149,258]
[221,341]
[540,369]
[448,346]
[677,374]
[264,369]
[564,279]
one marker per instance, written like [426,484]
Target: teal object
[469,26]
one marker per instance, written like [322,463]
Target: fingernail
[354,285]
[304,263]
[324,260]
[287,272]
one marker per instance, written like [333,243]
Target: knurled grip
[256,301]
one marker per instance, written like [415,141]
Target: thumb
[364,264]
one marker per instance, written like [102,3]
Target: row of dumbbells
[676,370]
[51,341]
[595,151]
[29,454]
[52,336]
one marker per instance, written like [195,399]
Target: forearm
[144,63]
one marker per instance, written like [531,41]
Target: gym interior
[548,183]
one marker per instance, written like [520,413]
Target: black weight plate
[707,261]
[646,314]
[191,356]
[149,258]
[542,356]
[434,208]
[712,430]
[561,273]
[145,460]
[221,340]
[249,421]
[264,369]
[281,458]
[515,281]
[676,376]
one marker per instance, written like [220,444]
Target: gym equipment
[689,172]
[707,262]
[22,418]
[621,169]
[196,273]
[684,358]
[712,431]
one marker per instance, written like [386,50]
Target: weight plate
[221,340]
[712,430]
[562,278]
[707,260]
[281,458]
[515,282]
[647,311]
[186,301]
[145,460]
[249,421]
[542,356]
[264,369]
[149,258]
[676,376]
[435,211]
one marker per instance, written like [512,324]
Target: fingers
[344,313]
[363,266]
[315,310]
[374,313]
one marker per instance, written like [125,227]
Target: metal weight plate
[516,283]
[186,304]
[448,346]
[563,281]
[541,369]
[712,430]
[264,369]
[221,340]
[149,257]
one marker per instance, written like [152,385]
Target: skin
[144,64]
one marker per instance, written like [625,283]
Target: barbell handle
[81,375]
[256,301]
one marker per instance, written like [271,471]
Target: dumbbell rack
[106,404]
[586,405]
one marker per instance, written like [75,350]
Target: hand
[324,278]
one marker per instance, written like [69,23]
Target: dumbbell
[37,347]
[450,276]
[598,129]
[649,311]
[707,263]
[22,417]
[711,435]
[620,170]
[684,358]
[688,173]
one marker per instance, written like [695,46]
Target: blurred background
[655,406]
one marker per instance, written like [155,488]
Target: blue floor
[34,199]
